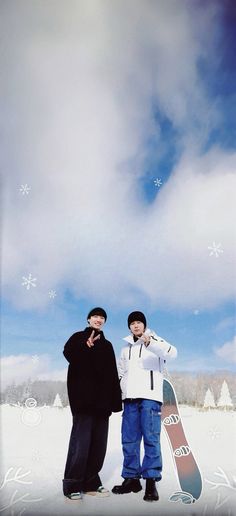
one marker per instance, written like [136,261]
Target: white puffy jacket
[140,368]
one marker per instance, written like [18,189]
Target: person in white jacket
[140,370]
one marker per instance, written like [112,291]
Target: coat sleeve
[70,348]
[161,347]
[116,396]
[121,364]
[75,348]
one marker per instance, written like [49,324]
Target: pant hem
[71,486]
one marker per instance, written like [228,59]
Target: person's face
[137,328]
[96,321]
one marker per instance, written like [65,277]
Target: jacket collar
[130,339]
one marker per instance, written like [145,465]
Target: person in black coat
[94,393]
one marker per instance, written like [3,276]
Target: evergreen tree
[225,400]
[209,401]
[26,391]
[57,402]
[13,394]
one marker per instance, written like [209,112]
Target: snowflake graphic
[52,294]
[215,249]
[35,359]
[25,189]
[196,312]
[214,432]
[36,456]
[29,282]
[157,182]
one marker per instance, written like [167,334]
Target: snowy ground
[34,445]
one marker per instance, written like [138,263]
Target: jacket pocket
[151,380]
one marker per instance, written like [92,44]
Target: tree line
[190,389]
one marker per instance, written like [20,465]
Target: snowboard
[187,469]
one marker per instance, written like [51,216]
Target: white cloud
[79,113]
[228,351]
[20,368]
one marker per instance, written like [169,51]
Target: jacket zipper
[151,372]
[151,379]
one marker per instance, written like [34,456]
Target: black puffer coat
[92,380]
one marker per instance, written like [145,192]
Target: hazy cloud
[82,83]
[227,322]
[20,368]
[228,351]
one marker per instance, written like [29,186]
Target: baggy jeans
[141,419]
[86,453]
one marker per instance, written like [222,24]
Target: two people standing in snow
[140,371]
[94,393]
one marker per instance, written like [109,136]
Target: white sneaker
[75,496]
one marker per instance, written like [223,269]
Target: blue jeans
[141,419]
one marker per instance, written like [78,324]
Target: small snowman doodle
[31,416]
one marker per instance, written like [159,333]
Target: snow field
[34,447]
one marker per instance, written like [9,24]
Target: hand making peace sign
[146,339]
[91,339]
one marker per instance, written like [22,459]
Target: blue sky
[99,101]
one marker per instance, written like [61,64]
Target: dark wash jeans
[141,419]
[86,453]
